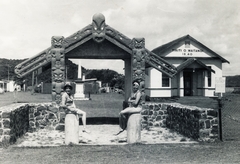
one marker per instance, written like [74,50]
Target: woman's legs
[130,110]
[83,115]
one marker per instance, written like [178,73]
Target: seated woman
[135,101]
[68,104]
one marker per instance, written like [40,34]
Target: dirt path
[99,135]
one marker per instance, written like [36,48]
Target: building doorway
[188,78]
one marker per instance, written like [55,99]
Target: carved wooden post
[138,63]
[58,68]
[138,74]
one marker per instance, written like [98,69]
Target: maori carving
[58,68]
[98,28]
[78,37]
[160,64]
[138,61]
[32,64]
[118,36]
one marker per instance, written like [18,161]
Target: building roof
[161,49]
[190,61]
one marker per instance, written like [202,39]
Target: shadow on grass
[101,120]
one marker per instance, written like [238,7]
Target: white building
[197,67]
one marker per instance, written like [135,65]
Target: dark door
[187,76]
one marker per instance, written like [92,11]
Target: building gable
[186,47]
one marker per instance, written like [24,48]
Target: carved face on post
[138,43]
[98,28]
[57,41]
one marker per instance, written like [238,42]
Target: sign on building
[220,84]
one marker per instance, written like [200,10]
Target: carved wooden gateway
[96,41]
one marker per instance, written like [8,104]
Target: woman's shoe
[86,131]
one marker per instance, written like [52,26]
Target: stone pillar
[71,129]
[79,93]
[205,83]
[181,87]
[79,69]
[134,128]
[128,78]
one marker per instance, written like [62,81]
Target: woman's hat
[67,84]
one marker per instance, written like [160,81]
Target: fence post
[220,116]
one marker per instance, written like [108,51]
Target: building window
[165,81]
[209,75]
[187,44]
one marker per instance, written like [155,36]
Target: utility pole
[8,72]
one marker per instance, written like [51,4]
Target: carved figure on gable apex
[98,27]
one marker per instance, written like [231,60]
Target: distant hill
[6,72]
[233,81]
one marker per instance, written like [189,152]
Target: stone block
[6,114]
[158,118]
[204,116]
[52,116]
[144,118]
[6,132]
[153,117]
[151,107]
[39,117]
[31,123]
[160,112]
[156,107]
[144,112]
[60,127]
[150,123]
[72,129]
[212,113]
[204,133]
[207,124]
[41,108]
[134,128]
[145,106]
[164,107]
[31,109]
[55,109]
[62,117]
[38,113]
[144,125]
[6,123]
[156,124]
[1,132]
[150,112]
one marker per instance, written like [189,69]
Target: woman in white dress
[68,104]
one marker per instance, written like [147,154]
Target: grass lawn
[102,105]
[223,152]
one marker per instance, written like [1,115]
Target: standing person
[135,101]
[68,104]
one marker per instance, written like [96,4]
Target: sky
[27,26]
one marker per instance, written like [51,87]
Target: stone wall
[46,116]
[193,122]
[17,119]
[14,122]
